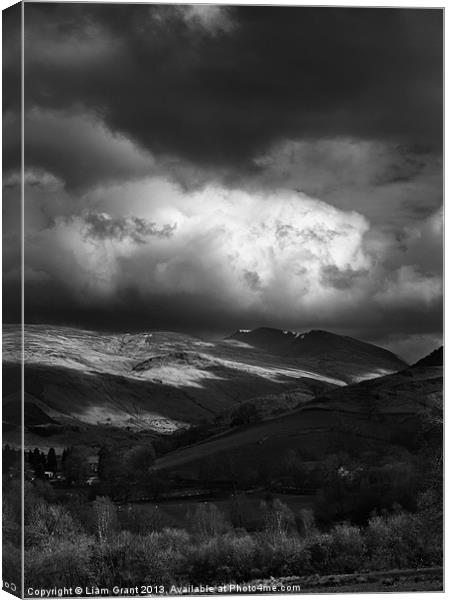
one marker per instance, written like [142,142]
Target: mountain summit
[339,355]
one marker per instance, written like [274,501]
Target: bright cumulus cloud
[247,244]
[282,256]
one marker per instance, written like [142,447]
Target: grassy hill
[389,410]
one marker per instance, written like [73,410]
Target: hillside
[341,356]
[77,380]
[389,410]
[434,359]
[154,381]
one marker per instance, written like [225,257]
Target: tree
[104,456]
[242,514]
[52,463]
[76,466]
[245,414]
[36,457]
[279,518]
[38,462]
[208,521]
[105,518]
[122,470]
[139,459]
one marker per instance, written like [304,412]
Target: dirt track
[406,580]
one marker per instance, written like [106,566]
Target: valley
[303,439]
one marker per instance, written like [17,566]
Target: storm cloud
[207,168]
[221,96]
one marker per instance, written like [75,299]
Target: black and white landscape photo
[233,300]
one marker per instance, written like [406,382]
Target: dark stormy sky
[205,168]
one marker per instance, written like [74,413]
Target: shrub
[61,563]
[242,513]
[130,560]
[306,523]
[241,557]
[46,524]
[347,549]
[284,556]
[208,521]
[403,541]
[223,559]
[278,518]
[319,548]
[174,539]
[245,414]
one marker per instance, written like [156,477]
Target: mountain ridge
[163,381]
[434,359]
[330,348]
